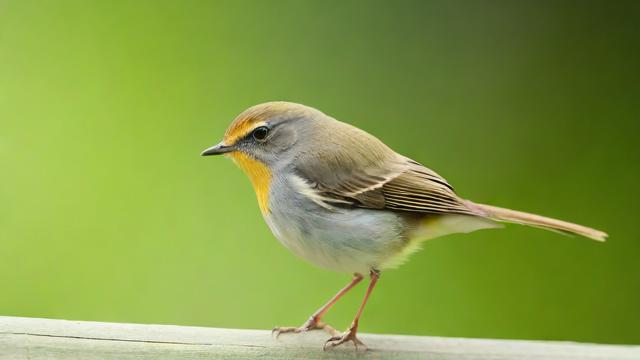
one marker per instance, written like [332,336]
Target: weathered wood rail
[35,339]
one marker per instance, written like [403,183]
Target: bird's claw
[289,329]
[349,335]
[309,325]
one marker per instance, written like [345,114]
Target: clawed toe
[307,326]
[277,331]
[349,335]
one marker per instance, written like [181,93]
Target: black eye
[260,133]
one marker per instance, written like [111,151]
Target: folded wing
[376,177]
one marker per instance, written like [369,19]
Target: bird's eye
[260,133]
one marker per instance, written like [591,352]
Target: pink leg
[314,320]
[350,334]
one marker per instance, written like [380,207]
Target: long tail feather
[519,217]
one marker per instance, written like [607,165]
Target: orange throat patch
[259,175]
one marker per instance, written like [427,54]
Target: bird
[339,198]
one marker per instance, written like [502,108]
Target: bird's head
[265,137]
[267,132]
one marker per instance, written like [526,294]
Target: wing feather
[420,189]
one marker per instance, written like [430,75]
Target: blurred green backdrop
[107,211]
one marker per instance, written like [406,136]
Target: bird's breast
[340,239]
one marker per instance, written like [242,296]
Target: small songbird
[341,199]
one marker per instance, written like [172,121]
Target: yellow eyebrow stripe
[256,116]
[259,175]
[240,130]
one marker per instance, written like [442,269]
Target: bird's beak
[218,149]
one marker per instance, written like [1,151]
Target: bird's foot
[349,335]
[311,324]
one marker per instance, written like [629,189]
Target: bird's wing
[375,177]
[420,189]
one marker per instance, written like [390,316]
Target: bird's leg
[314,320]
[350,334]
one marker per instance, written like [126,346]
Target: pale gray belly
[342,239]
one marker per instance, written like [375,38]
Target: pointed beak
[218,149]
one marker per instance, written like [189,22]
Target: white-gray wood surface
[31,338]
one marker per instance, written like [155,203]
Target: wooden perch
[30,338]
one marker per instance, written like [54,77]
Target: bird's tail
[519,217]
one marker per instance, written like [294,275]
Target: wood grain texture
[35,339]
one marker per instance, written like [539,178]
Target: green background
[107,211]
